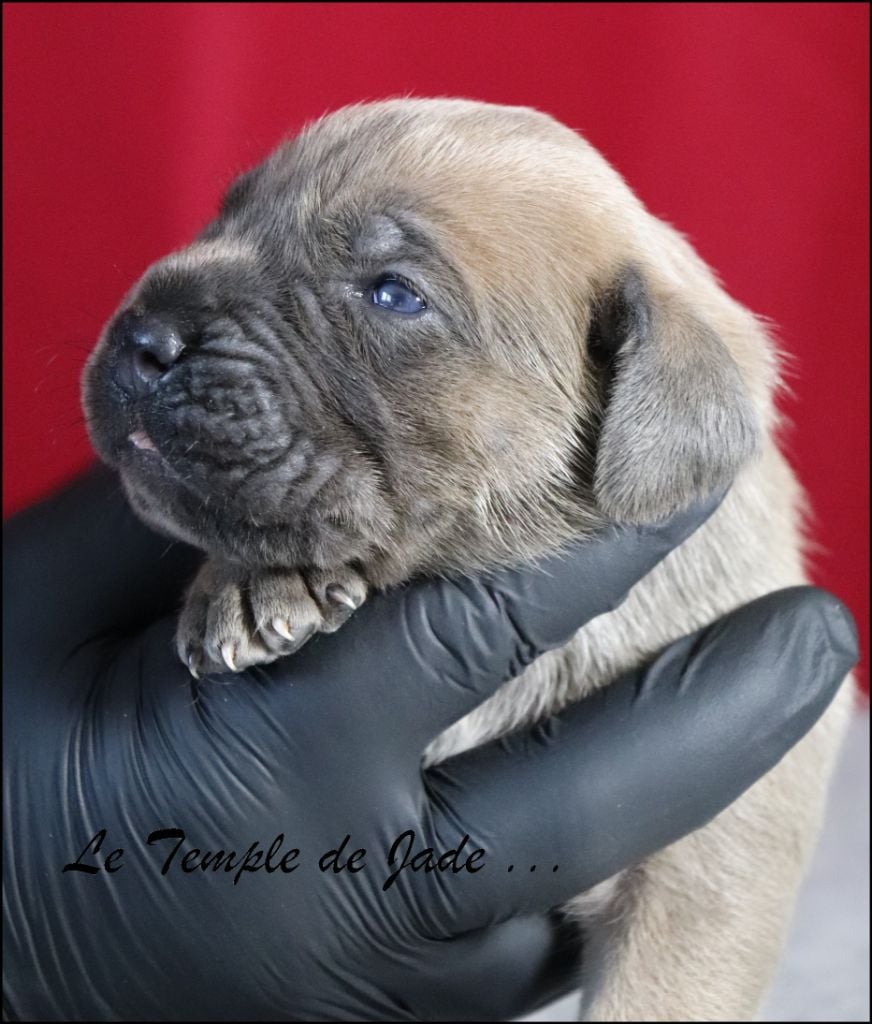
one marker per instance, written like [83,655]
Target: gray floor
[824,975]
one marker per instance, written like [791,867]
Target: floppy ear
[678,421]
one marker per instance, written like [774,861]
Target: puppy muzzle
[203,419]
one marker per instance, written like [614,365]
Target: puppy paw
[235,618]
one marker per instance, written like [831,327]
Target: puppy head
[425,335]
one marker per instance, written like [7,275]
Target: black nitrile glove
[105,730]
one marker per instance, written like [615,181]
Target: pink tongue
[140,439]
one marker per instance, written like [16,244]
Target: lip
[145,464]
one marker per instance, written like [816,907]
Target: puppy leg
[694,933]
[235,617]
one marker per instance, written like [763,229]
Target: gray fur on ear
[678,421]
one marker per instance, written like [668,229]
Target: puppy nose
[147,346]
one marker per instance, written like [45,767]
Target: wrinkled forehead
[450,172]
[517,204]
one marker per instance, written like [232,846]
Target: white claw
[228,651]
[339,595]
[283,629]
[191,668]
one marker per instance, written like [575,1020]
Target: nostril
[147,347]
[157,345]
[148,366]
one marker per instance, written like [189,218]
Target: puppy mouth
[243,482]
[232,446]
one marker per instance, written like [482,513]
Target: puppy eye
[398,295]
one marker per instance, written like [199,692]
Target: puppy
[433,336]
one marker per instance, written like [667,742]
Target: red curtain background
[744,125]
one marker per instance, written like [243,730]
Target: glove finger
[639,764]
[442,647]
[497,973]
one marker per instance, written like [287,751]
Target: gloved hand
[105,730]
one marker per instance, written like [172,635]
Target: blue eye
[393,293]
